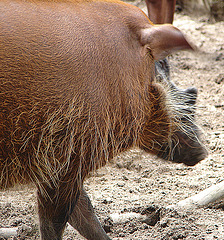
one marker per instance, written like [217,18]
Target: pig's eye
[149,52]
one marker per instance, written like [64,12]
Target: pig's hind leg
[54,211]
[85,221]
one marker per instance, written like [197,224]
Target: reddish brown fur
[76,89]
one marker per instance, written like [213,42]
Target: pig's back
[58,49]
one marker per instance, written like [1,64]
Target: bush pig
[77,87]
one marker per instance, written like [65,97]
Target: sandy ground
[136,182]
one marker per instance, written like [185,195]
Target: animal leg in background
[161,11]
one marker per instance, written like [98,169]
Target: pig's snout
[190,150]
[185,148]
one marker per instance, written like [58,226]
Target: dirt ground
[136,182]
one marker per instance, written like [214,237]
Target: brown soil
[136,182]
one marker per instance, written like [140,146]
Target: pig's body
[76,88]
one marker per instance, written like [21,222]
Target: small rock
[164,223]
[120,184]
[107,200]
[108,224]
[220,78]
[125,177]
[24,230]
[219,57]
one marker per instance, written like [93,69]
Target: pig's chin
[188,157]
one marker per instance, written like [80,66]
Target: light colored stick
[8,232]
[204,198]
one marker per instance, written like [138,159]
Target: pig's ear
[163,40]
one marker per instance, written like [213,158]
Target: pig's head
[170,130]
[185,146]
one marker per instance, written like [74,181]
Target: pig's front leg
[85,221]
